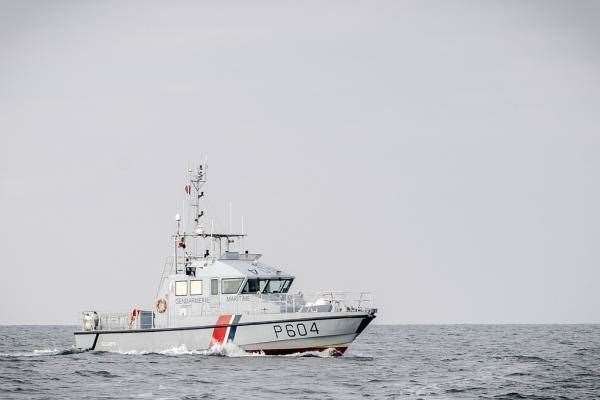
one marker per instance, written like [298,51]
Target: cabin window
[251,286]
[195,288]
[286,285]
[231,286]
[181,288]
[274,286]
[267,286]
[262,284]
[277,286]
[214,286]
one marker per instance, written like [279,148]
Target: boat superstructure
[210,294]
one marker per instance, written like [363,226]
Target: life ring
[161,305]
[132,315]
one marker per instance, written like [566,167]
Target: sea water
[386,362]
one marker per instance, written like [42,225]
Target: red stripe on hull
[218,335]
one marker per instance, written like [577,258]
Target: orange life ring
[161,305]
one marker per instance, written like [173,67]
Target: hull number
[293,330]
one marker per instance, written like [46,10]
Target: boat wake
[43,352]
[217,350]
[233,351]
[325,353]
[220,350]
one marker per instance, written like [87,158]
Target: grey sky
[443,155]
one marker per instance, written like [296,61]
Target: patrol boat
[211,295]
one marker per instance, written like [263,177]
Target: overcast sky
[443,155]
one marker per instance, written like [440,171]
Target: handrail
[244,304]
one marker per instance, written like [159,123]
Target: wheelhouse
[231,274]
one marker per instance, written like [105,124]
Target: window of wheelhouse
[267,285]
[278,286]
[231,286]
[195,287]
[181,288]
[214,286]
[251,286]
[286,285]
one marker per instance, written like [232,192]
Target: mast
[194,191]
[197,181]
[177,219]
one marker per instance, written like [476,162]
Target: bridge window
[195,288]
[274,286]
[278,286]
[231,286]
[214,286]
[251,286]
[267,286]
[181,288]
[263,284]
[286,285]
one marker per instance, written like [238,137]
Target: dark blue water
[386,362]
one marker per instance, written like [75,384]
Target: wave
[231,350]
[463,390]
[519,374]
[513,396]
[43,352]
[101,373]
[217,350]
[521,357]
[325,353]
[221,350]
[530,358]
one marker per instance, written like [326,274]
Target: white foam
[41,352]
[325,353]
[46,352]
[224,350]
[178,351]
[229,349]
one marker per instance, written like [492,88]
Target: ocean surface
[386,362]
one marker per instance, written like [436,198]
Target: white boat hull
[267,333]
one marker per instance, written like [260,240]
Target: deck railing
[244,304]
[348,301]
